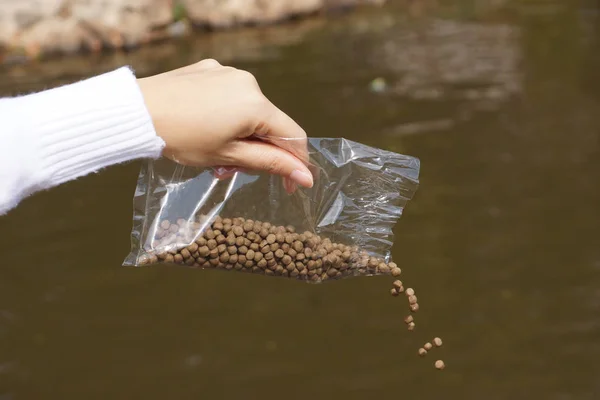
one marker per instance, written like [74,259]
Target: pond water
[501,241]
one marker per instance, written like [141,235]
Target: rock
[64,26]
[119,23]
[52,35]
[227,13]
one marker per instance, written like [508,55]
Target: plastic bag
[250,222]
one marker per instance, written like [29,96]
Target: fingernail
[302,178]
[225,170]
[289,185]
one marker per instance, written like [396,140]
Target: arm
[58,135]
[200,115]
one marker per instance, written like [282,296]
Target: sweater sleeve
[57,135]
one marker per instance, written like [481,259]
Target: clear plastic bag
[250,222]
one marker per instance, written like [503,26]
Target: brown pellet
[410,292]
[437,342]
[383,268]
[411,326]
[186,253]
[394,292]
[412,299]
[427,346]
[298,246]
[439,364]
[414,307]
[408,319]
[396,272]
[238,243]
[422,352]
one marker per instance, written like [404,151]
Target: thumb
[260,156]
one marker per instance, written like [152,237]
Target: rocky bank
[36,28]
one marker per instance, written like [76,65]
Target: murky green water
[501,242]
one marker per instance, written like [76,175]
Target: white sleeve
[57,135]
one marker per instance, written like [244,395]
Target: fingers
[260,156]
[278,128]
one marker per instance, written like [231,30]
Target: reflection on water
[500,242]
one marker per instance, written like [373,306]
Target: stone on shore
[41,27]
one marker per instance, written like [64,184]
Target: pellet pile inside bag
[260,223]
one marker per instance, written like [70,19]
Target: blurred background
[499,99]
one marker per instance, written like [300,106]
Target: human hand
[210,115]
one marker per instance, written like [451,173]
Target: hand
[210,115]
